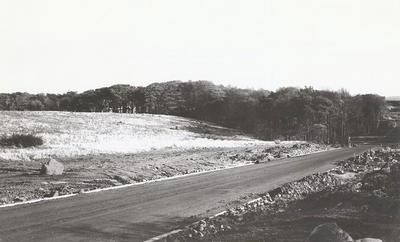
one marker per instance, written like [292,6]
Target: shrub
[21,140]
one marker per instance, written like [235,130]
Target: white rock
[52,167]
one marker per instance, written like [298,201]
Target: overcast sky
[56,46]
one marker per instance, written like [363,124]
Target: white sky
[56,46]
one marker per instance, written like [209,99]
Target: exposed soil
[21,180]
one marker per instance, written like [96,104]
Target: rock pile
[274,201]
[309,184]
[368,161]
[277,152]
[380,171]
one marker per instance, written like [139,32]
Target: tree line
[288,113]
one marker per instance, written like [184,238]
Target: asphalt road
[140,212]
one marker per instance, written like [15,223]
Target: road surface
[141,212]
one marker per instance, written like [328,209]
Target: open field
[68,134]
[100,150]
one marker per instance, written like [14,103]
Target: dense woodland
[288,113]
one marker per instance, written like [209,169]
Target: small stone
[239,218]
[231,211]
[4,200]
[19,199]
[202,227]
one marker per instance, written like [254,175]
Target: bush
[21,140]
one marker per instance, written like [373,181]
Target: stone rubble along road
[143,211]
[375,185]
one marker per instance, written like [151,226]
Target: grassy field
[100,150]
[68,134]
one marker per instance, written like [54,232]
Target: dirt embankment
[22,180]
[361,195]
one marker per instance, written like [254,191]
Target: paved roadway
[140,212]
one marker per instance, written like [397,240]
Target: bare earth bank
[21,180]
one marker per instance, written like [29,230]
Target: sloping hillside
[100,150]
[67,134]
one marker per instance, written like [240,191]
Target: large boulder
[329,232]
[52,167]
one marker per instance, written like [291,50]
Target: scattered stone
[122,179]
[269,157]
[52,167]
[4,200]
[19,199]
[363,173]
[329,232]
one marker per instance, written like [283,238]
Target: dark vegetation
[21,140]
[288,113]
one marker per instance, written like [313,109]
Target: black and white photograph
[199,120]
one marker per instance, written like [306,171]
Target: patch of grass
[21,140]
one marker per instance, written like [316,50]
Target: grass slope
[67,134]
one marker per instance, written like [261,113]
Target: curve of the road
[140,212]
